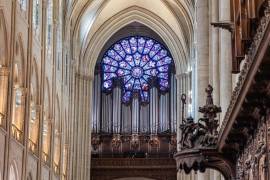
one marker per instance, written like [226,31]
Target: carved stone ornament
[198,142]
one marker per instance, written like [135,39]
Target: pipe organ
[135,99]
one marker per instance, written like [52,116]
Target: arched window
[23,4]
[49,27]
[13,172]
[59,37]
[47,124]
[3,70]
[138,64]
[34,110]
[57,137]
[18,92]
[36,15]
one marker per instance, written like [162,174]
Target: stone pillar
[182,88]
[81,155]
[214,58]
[202,52]
[225,57]
[183,82]
[3,94]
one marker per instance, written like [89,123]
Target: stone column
[3,94]
[202,52]
[183,82]
[81,154]
[214,58]
[225,58]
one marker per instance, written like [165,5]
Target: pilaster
[82,155]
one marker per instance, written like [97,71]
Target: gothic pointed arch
[13,171]
[3,41]
[34,108]
[47,124]
[19,89]
[57,137]
[90,51]
[4,70]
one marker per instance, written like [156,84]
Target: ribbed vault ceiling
[88,18]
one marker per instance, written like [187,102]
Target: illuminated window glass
[138,64]
[36,7]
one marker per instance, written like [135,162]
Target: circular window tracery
[138,63]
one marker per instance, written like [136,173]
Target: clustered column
[3,94]
[225,57]
[81,154]
[202,52]
[184,84]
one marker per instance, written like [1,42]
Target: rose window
[138,64]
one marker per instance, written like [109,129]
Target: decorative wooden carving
[134,142]
[113,168]
[199,142]
[245,14]
[204,132]
[154,141]
[95,141]
[116,142]
[244,133]
[251,163]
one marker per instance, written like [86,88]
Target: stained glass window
[137,63]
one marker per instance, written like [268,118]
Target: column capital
[84,77]
[185,74]
[37,107]
[4,71]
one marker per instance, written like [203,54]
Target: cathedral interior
[134,89]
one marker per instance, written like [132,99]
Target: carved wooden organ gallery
[239,147]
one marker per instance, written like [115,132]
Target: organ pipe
[144,119]
[96,105]
[164,112]
[106,119]
[135,116]
[126,119]
[173,108]
[153,111]
[116,110]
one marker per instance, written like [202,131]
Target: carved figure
[204,132]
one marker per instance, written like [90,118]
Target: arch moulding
[91,50]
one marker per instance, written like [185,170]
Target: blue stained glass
[138,63]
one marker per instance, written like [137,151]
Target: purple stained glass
[138,63]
